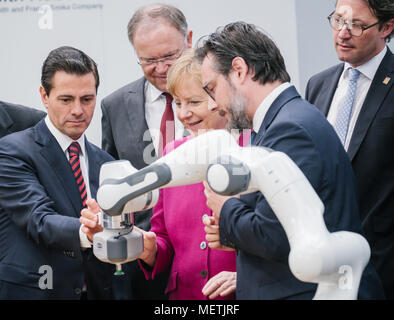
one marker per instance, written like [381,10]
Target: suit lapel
[328,89]
[135,108]
[5,122]
[58,164]
[375,96]
[279,102]
[94,169]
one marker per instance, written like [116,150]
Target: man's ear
[44,96]
[240,69]
[387,28]
[189,39]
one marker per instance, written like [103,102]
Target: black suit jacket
[295,127]
[15,118]
[125,135]
[371,152]
[39,225]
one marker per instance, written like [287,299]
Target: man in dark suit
[15,118]
[244,72]
[134,114]
[47,173]
[368,131]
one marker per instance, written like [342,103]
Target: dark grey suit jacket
[125,130]
[371,152]
[15,118]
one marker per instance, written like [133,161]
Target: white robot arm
[335,261]
[123,190]
[187,164]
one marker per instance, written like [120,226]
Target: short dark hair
[384,11]
[69,60]
[240,39]
[158,11]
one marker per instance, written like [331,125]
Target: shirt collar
[369,68]
[152,93]
[265,105]
[64,140]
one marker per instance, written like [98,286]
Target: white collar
[151,92]
[266,104]
[64,140]
[369,68]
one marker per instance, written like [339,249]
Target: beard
[239,120]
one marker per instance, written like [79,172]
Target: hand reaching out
[90,220]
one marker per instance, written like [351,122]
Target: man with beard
[244,72]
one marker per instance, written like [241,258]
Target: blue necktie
[341,125]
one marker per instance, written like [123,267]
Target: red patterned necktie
[167,126]
[74,149]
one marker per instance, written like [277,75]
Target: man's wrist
[84,240]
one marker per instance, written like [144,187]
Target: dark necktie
[167,125]
[252,137]
[74,150]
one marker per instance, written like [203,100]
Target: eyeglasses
[154,62]
[356,30]
[210,91]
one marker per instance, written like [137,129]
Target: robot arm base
[118,246]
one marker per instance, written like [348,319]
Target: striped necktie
[74,150]
[345,110]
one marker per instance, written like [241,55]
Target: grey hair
[158,12]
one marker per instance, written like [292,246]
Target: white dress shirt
[64,142]
[155,105]
[266,104]
[367,73]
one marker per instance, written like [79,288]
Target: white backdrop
[30,29]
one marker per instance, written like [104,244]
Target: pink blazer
[181,245]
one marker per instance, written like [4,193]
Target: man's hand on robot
[215,201]
[90,219]
[212,234]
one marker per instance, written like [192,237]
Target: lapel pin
[386,81]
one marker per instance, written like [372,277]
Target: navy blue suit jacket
[297,128]
[40,224]
[371,152]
